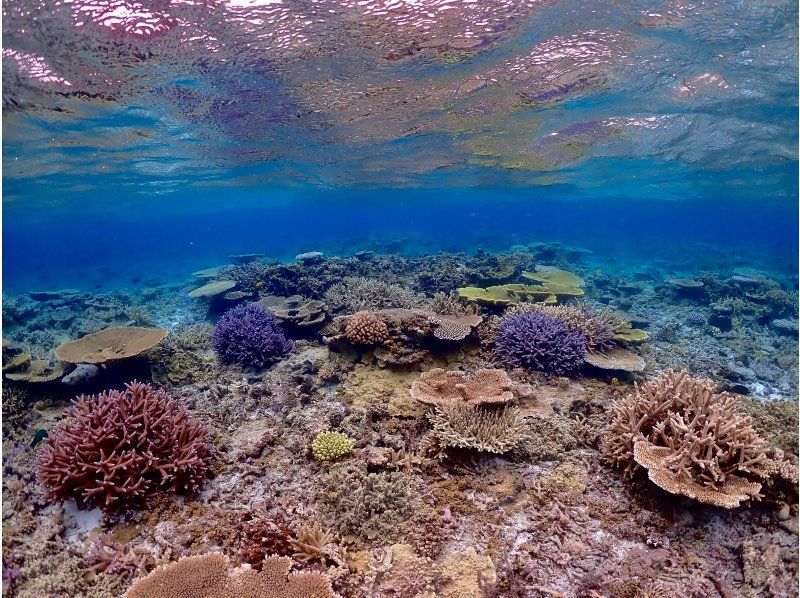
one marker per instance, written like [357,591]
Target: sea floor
[407,516]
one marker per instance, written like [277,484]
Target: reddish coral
[116,448]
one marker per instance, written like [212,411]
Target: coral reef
[249,336]
[207,576]
[693,439]
[488,430]
[120,447]
[538,342]
[365,328]
[330,446]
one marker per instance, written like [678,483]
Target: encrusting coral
[249,336]
[116,448]
[539,342]
[207,576]
[486,388]
[692,438]
[329,446]
[365,328]
[487,430]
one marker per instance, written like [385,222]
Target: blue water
[147,141]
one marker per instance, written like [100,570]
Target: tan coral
[110,344]
[729,494]
[491,431]
[487,388]
[212,289]
[365,328]
[617,358]
[693,439]
[455,328]
[207,576]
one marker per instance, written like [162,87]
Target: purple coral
[116,448]
[538,342]
[250,336]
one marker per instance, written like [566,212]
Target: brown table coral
[111,344]
[486,388]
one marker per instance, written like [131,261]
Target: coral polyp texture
[488,430]
[249,335]
[692,438]
[119,447]
[535,341]
[365,328]
[486,388]
[208,576]
[329,446]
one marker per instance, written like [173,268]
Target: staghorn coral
[367,506]
[538,342]
[491,431]
[357,293]
[693,439]
[207,576]
[330,446]
[116,448]
[450,304]
[249,336]
[365,328]
[597,327]
[14,399]
[313,543]
[486,388]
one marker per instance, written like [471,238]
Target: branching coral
[450,304]
[596,326]
[365,328]
[313,543]
[538,342]
[250,336]
[207,576]
[491,431]
[693,439]
[356,503]
[357,293]
[116,448]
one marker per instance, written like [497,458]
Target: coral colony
[361,427]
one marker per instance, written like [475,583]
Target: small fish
[38,436]
[136,280]
[260,284]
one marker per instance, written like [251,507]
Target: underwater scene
[403,298]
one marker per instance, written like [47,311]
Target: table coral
[116,448]
[692,438]
[486,388]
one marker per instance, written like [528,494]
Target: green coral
[330,446]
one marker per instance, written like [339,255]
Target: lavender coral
[116,448]
[538,342]
[250,336]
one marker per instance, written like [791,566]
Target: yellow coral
[329,446]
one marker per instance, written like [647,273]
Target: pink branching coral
[116,448]
[692,438]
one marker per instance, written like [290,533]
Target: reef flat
[531,422]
